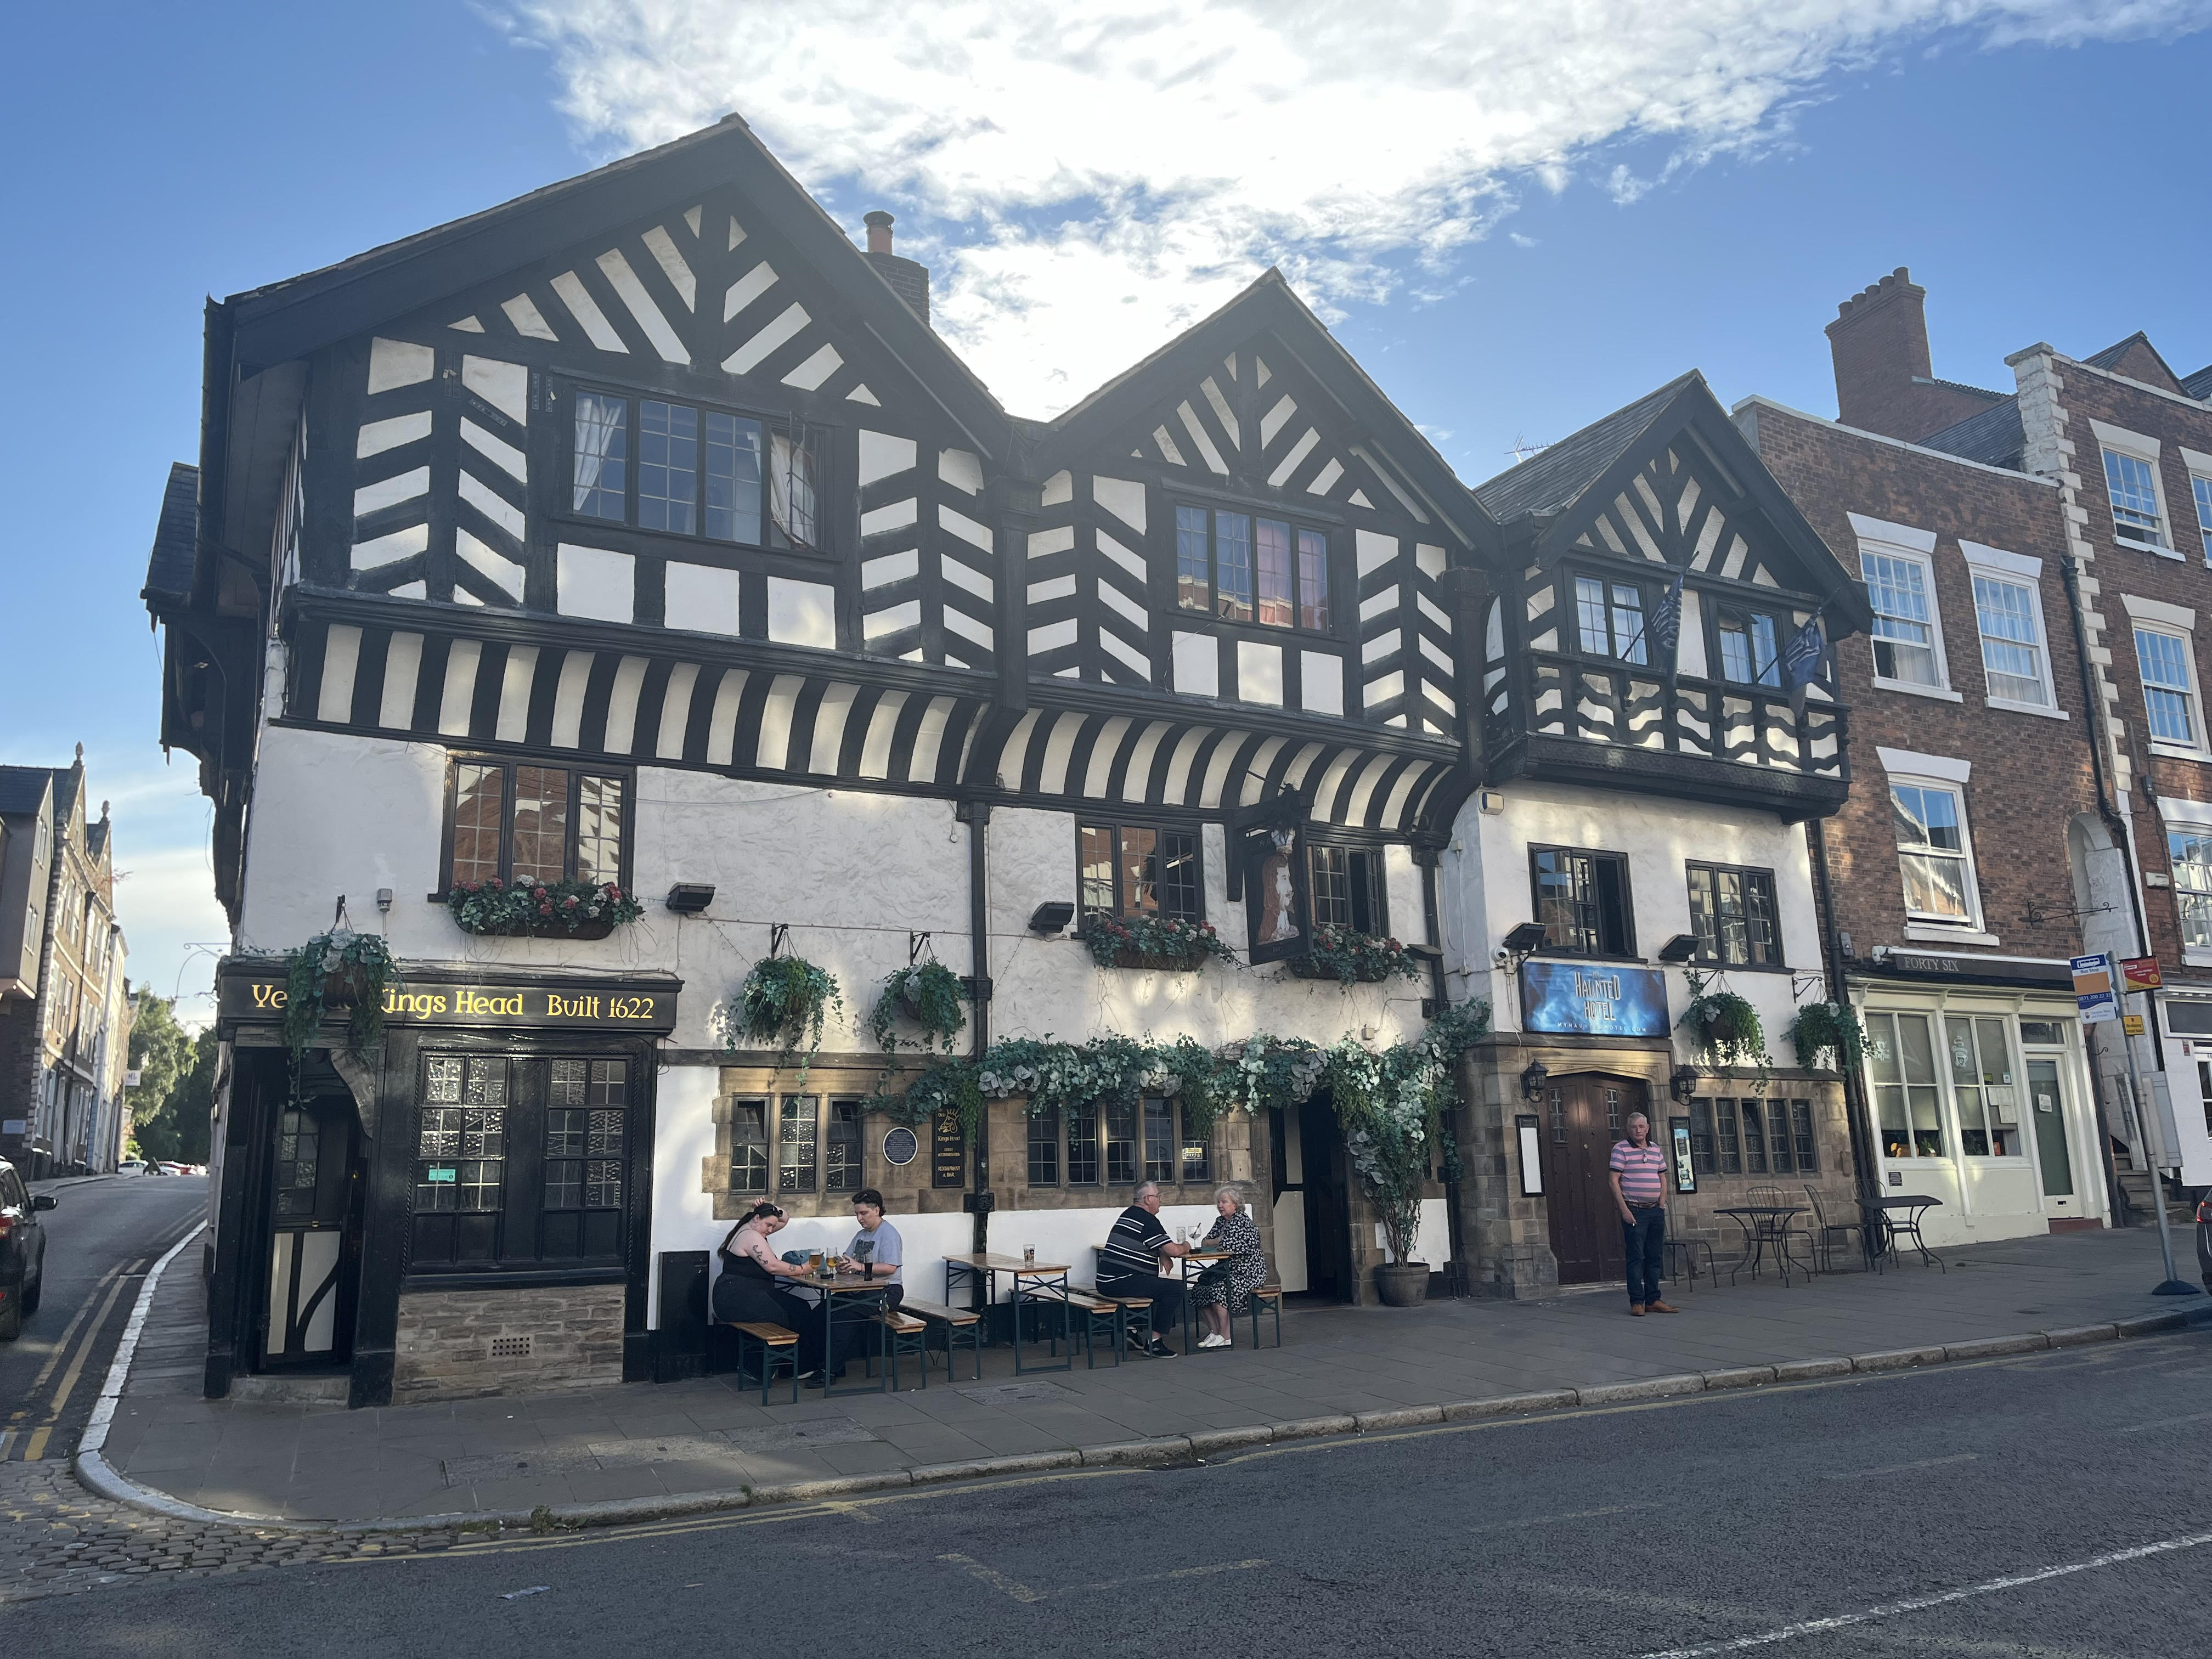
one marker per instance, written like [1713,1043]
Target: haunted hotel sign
[1593,998]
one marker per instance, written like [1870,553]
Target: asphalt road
[1678,1527]
[101,1239]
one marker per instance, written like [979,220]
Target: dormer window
[684,470]
[1747,650]
[1247,569]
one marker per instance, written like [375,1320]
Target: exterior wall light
[1679,949]
[1051,916]
[1533,1080]
[690,898]
[1524,940]
[1683,1084]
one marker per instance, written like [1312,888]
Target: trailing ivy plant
[338,969]
[1828,1028]
[1726,1027]
[929,994]
[784,1001]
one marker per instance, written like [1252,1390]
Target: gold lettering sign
[493,1005]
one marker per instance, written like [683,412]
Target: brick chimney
[1884,382]
[908,280]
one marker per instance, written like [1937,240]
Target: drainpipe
[1856,1113]
[1455,1270]
[2093,715]
[977,816]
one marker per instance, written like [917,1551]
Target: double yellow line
[78,1340]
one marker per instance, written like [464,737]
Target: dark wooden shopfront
[1581,1117]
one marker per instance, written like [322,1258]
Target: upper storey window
[2134,490]
[1246,570]
[1903,626]
[1609,619]
[1747,651]
[689,470]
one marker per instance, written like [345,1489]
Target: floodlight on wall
[1679,949]
[1051,916]
[1533,1080]
[690,898]
[1524,940]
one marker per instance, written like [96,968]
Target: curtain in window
[791,489]
[601,438]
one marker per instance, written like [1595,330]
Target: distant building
[65,1020]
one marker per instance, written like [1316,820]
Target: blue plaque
[1593,998]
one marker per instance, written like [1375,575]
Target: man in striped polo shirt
[1129,1264]
[1639,1189]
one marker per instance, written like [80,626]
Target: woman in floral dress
[1224,1292]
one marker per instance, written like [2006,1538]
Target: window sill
[2043,709]
[2196,956]
[1927,933]
[1941,694]
[2175,751]
[2148,547]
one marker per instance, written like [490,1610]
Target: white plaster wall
[1051,987]
[1431,1239]
[682,1140]
[1488,876]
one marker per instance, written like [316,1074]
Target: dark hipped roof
[23,788]
[1993,437]
[169,569]
[1960,385]
[2199,385]
[1552,478]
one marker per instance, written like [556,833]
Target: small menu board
[948,1151]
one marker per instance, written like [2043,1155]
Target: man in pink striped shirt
[1639,1189]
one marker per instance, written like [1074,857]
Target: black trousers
[855,1340]
[1643,1241]
[1167,1296]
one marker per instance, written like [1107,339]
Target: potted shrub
[1390,1105]
[784,1003]
[1339,954]
[1831,1028]
[1167,942]
[543,909]
[928,995]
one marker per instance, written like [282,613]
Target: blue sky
[1510,261]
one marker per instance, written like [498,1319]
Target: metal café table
[1764,1225]
[850,1301]
[1194,1264]
[1878,1213]
[980,1272]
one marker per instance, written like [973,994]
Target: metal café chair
[1826,1232]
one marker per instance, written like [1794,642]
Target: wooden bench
[774,1342]
[906,1334]
[1270,1296]
[1112,1314]
[953,1325]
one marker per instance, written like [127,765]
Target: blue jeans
[1645,1242]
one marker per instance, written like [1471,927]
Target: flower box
[1362,972]
[557,909]
[1187,961]
[1168,944]
[1352,958]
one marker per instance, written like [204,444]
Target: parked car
[168,1167]
[131,1166]
[22,1251]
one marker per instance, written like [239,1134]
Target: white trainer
[1213,1342]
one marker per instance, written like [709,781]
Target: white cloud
[1088,181]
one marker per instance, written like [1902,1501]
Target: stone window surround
[2020,569]
[1943,772]
[2181,620]
[2176,813]
[2146,450]
[1916,546]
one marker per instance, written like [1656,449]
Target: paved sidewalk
[641,1442]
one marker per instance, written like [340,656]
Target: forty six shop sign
[647,1006]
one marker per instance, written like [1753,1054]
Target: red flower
[544,910]
[1395,945]
[498,885]
[538,892]
[614,892]
[570,901]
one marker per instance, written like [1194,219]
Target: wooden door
[313,1236]
[1328,1200]
[1584,1116]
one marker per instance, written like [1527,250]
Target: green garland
[929,994]
[785,1000]
[355,969]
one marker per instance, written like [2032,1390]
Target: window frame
[1376,897]
[1159,827]
[1180,502]
[1734,607]
[527,1155]
[2200,491]
[1628,952]
[627,776]
[2147,618]
[2188,821]
[1972,921]
[1779,963]
[822,440]
[2117,442]
[1608,579]
[1886,541]
[2019,570]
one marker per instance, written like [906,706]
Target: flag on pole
[1802,660]
[1665,627]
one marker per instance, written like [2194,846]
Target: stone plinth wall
[454,1345]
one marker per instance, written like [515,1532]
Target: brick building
[64,1022]
[2013,831]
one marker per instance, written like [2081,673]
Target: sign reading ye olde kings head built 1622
[606,1006]
[1593,998]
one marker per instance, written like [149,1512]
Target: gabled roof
[24,789]
[169,568]
[1558,491]
[1994,436]
[2199,385]
[290,318]
[1553,477]
[1268,302]
[2111,356]
[1960,385]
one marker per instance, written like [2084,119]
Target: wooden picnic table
[980,1271]
[867,1290]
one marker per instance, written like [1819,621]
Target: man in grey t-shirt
[884,1253]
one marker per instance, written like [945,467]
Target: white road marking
[997,1580]
[1921,1603]
[1900,1469]
[2163,1423]
[1160,1577]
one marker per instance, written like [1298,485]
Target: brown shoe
[1661,1307]
[1635,1309]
